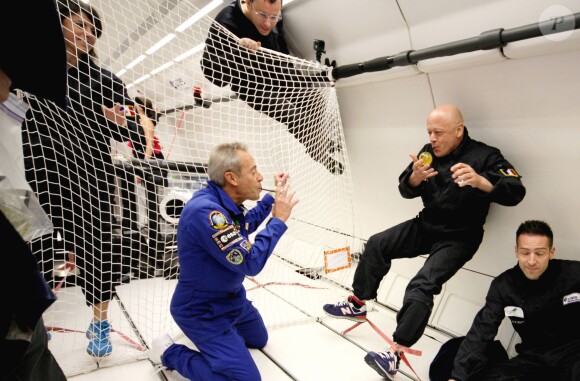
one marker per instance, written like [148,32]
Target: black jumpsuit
[271,84]
[544,312]
[449,229]
[67,158]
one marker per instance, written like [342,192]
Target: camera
[319,46]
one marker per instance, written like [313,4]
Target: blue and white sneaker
[386,364]
[346,310]
[99,334]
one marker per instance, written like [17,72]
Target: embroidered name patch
[571,298]
[217,220]
[509,172]
[511,311]
[225,238]
[235,257]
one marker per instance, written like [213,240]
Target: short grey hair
[224,158]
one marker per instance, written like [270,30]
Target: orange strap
[68,267]
[125,337]
[404,358]
[400,348]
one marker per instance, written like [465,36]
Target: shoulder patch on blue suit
[217,220]
[225,238]
[235,257]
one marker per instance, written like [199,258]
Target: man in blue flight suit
[215,255]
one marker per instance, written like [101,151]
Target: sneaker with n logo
[385,363]
[346,310]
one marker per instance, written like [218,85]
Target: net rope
[115,213]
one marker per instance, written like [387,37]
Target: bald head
[448,112]
[445,128]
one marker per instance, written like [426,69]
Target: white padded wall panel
[542,46]
[463,297]
[511,348]
[353,32]
[544,87]
[457,313]
[452,20]
[506,334]
[392,288]
[383,123]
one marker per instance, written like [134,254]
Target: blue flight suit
[209,303]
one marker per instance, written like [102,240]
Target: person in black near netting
[269,83]
[68,165]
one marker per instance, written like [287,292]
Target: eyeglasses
[265,16]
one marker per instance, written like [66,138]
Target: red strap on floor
[130,341]
[404,358]
[261,285]
[401,349]
[69,266]
[127,338]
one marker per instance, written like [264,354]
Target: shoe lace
[391,359]
[344,303]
